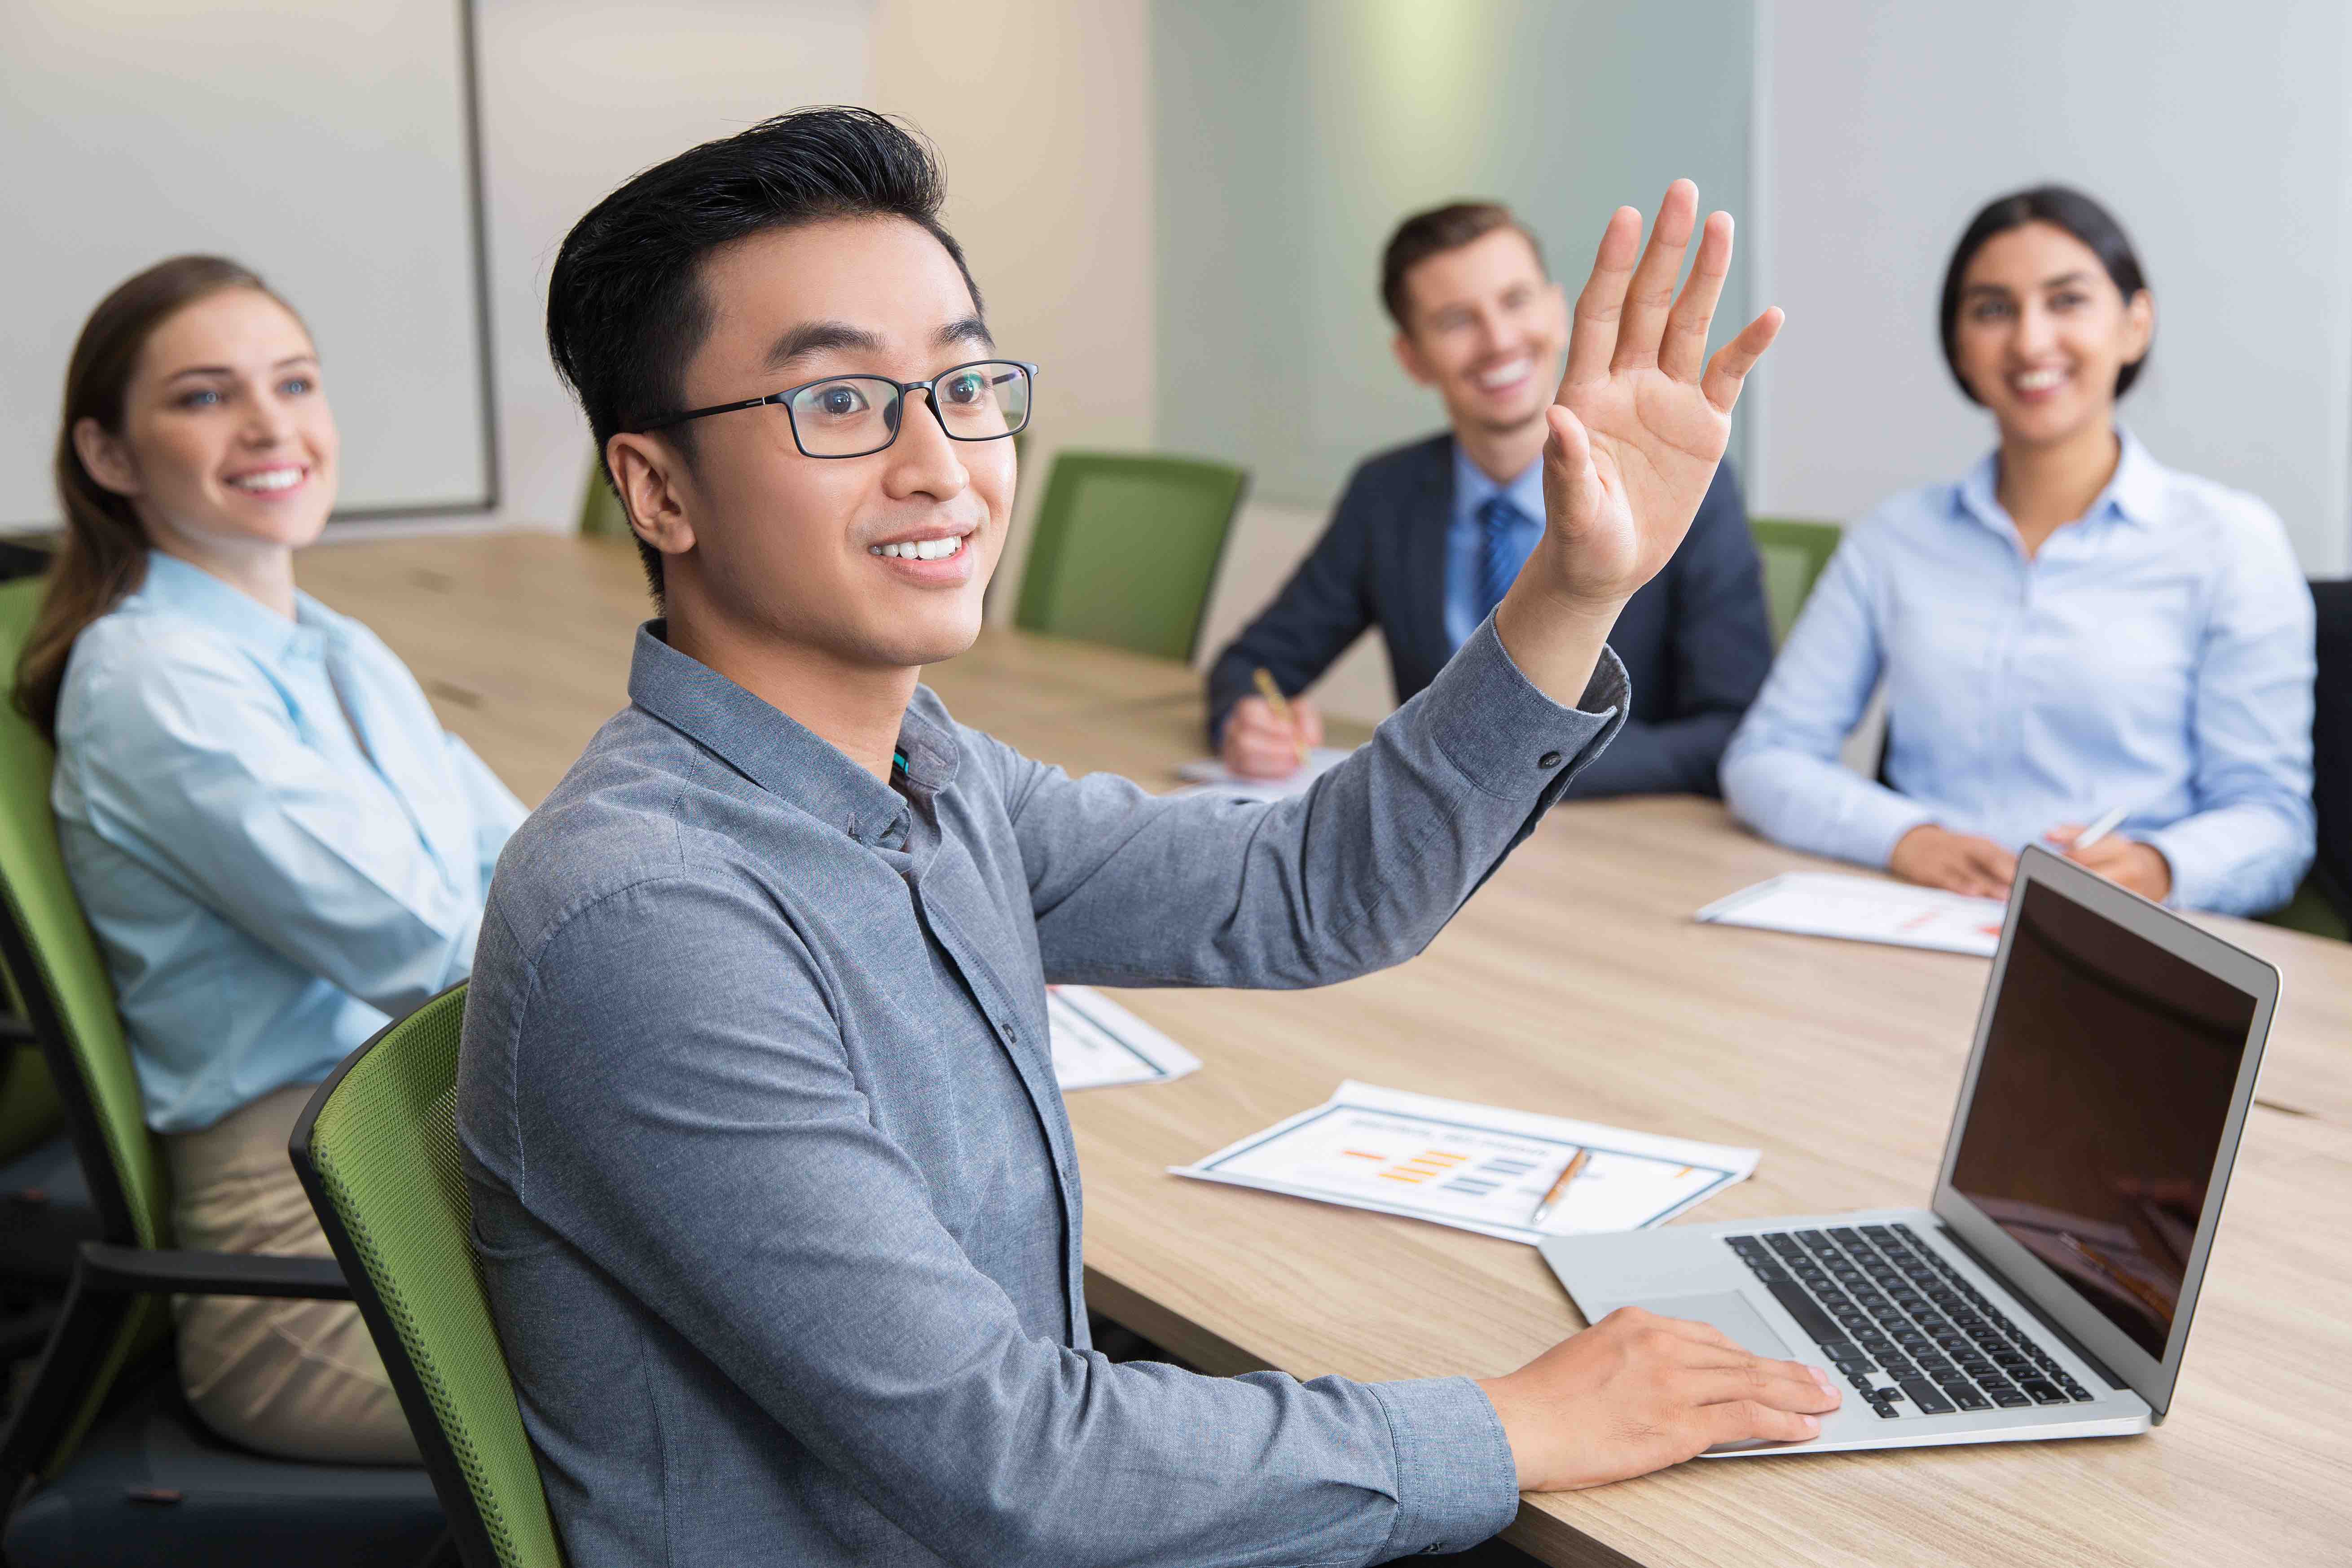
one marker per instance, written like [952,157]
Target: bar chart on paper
[1477,1167]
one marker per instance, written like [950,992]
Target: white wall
[576,96]
[1040,110]
[2217,133]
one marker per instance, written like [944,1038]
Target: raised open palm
[1642,416]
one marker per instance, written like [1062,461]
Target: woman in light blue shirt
[277,844]
[2070,628]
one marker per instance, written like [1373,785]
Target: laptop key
[1925,1395]
[1799,1306]
[2008,1398]
[2044,1393]
[1969,1398]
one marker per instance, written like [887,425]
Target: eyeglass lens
[851,416]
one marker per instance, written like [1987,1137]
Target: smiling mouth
[920,548]
[269,480]
[2039,380]
[1509,373]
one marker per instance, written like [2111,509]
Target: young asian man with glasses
[773,1192]
[1429,536]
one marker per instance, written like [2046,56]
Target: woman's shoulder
[140,660]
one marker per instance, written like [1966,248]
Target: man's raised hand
[1642,416]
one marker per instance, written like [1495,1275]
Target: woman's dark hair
[2060,207]
[104,553]
[626,310]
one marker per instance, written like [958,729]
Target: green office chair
[601,515]
[102,1462]
[377,1149]
[1794,553]
[1126,548]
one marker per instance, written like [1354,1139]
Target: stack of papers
[1865,908]
[1475,1167]
[1210,776]
[1098,1043]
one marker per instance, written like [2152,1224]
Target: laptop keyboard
[1902,1325]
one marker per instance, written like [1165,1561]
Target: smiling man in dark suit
[1428,536]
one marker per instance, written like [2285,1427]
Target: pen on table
[2108,822]
[1281,706]
[1575,1168]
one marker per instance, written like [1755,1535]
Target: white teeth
[1503,375]
[268,480]
[919,550]
[2038,380]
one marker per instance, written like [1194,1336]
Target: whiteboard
[329,146]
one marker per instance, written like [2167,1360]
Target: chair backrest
[600,515]
[2331,745]
[1794,552]
[1126,549]
[377,1151]
[60,981]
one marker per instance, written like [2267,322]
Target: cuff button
[1548,761]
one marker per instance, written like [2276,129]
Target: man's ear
[647,469]
[1408,354]
[105,458]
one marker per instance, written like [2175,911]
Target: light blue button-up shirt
[1465,537]
[276,842]
[2156,656]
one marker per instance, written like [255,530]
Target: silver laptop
[2046,1289]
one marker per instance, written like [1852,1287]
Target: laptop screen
[2100,1100]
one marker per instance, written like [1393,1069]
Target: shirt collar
[775,752]
[173,584]
[1472,486]
[2134,492]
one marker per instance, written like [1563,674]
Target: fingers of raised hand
[1683,353]
[1735,358]
[1650,293]
[1592,338]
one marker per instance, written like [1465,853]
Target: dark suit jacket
[1696,639]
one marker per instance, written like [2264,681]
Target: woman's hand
[2126,862]
[1956,862]
[1636,432]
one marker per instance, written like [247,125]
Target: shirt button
[1548,761]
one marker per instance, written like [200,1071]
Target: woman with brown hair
[279,846]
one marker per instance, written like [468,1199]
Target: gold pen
[1575,1167]
[1281,706]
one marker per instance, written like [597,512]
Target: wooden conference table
[1574,982]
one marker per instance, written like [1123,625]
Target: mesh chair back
[377,1150]
[1126,549]
[1794,552]
[61,979]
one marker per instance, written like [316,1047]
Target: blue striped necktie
[1500,561]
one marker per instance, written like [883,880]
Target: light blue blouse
[2156,654]
[277,844]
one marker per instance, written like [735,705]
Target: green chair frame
[1126,549]
[116,1312]
[1795,552]
[601,513]
[377,1150]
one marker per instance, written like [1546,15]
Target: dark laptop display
[2100,1106]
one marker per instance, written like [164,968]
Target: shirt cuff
[1506,737]
[1880,819]
[1456,1483]
[2219,866]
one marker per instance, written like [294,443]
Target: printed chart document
[1210,776]
[1863,908]
[1475,1167]
[1098,1043]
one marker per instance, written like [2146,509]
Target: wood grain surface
[1575,983]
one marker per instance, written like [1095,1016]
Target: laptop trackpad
[1730,1312]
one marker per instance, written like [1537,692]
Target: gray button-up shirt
[774,1189]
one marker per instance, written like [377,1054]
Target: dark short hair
[1425,234]
[2060,207]
[625,310]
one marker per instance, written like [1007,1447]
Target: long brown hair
[104,553]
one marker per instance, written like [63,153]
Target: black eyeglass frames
[856,416]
